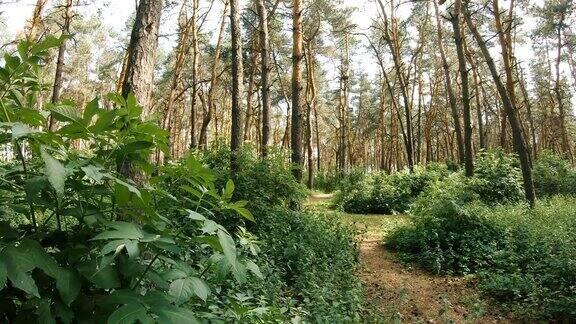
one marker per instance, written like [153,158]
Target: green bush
[524,258]
[447,236]
[266,182]
[327,181]
[315,259]
[382,193]
[82,242]
[553,175]
[497,178]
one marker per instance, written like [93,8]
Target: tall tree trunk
[208,110]
[237,86]
[296,132]
[139,78]
[264,75]
[250,111]
[566,147]
[391,37]
[58,77]
[449,88]
[194,90]
[311,106]
[519,142]
[458,40]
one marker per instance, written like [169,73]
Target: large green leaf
[44,312]
[253,267]
[47,43]
[123,230]
[228,246]
[20,130]
[93,172]
[55,172]
[103,277]
[68,285]
[3,274]
[18,266]
[130,314]
[182,290]
[200,288]
[67,113]
[90,111]
[175,315]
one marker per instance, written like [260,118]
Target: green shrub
[315,259]
[524,258]
[498,178]
[382,193]
[260,182]
[327,181]
[81,242]
[447,236]
[553,175]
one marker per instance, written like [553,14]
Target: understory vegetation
[479,225]
[523,257]
[81,240]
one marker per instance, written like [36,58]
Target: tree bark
[458,40]
[264,75]
[58,77]
[139,78]
[210,104]
[296,131]
[519,142]
[449,88]
[237,85]
[36,20]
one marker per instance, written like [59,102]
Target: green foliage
[266,182]
[497,178]
[553,175]
[314,258]
[80,242]
[382,193]
[305,277]
[524,258]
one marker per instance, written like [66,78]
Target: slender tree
[59,74]
[459,41]
[509,108]
[296,130]
[237,85]
[264,75]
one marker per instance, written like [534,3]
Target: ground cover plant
[523,257]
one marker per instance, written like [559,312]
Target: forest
[287,161]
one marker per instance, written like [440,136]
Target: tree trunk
[209,107]
[36,21]
[449,89]
[311,106]
[58,77]
[139,78]
[237,86]
[458,40]
[264,76]
[519,142]
[296,131]
[391,38]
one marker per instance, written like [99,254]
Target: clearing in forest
[399,292]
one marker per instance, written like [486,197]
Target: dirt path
[404,294]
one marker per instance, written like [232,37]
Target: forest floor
[402,293]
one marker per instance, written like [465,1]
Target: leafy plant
[78,241]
